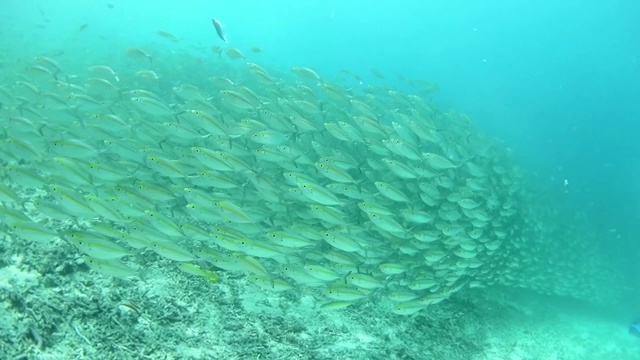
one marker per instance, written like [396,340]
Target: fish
[234,53]
[139,53]
[344,293]
[109,267]
[96,246]
[196,270]
[33,231]
[152,106]
[236,100]
[167,35]
[391,192]
[171,251]
[306,73]
[219,29]
[634,328]
[147,74]
[285,179]
[104,70]
[408,308]
[335,305]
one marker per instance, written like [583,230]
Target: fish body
[634,328]
[219,29]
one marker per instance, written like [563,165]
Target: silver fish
[219,30]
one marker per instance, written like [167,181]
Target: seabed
[54,308]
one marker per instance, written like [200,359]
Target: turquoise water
[549,97]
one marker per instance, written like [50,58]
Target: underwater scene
[319,180]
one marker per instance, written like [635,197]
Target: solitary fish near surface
[219,29]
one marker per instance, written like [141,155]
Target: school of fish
[292,180]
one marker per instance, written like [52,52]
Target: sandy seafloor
[54,307]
